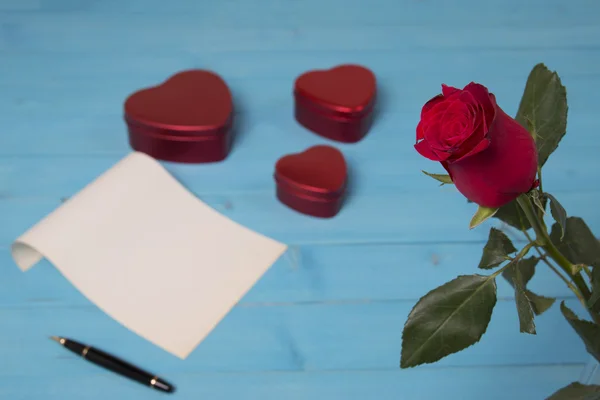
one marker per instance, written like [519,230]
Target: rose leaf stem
[540,212]
[523,251]
[582,292]
[567,267]
[544,258]
[544,241]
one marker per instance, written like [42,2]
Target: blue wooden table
[325,322]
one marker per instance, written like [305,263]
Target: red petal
[480,92]
[441,155]
[486,99]
[482,145]
[456,113]
[423,149]
[433,135]
[426,151]
[438,107]
[445,165]
[431,103]
[420,131]
[448,90]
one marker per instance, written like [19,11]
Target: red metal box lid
[312,182]
[187,118]
[336,103]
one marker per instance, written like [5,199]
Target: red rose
[490,157]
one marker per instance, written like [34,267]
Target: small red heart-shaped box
[336,103]
[312,182]
[188,118]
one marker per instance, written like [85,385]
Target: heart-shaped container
[310,199]
[187,119]
[337,103]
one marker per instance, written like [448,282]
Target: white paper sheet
[150,254]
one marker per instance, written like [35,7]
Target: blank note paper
[150,254]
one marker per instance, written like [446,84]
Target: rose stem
[544,241]
[540,212]
[544,258]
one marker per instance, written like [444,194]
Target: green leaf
[496,250]
[512,215]
[524,309]
[448,319]
[579,244]
[527,267]
[482,214]
[588,331]
[543,110]
[531,128]
[445,179]
[577,391]
[558,213]
[539,304]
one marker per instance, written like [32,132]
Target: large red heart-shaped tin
[336,103]
[312,182]
[188,118]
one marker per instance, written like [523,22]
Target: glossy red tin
[188,118]
[312,182]
[337,103]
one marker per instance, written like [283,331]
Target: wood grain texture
[525,382]
[325,321]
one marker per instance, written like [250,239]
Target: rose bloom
[490,157]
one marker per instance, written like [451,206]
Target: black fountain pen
[114,364]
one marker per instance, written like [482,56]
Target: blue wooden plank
[418,68]
[93,124]
[55,33]
[314,12]
[428,216]
[262,99]
[106,135]
[56,177]
[518,383]
[309,274]
[20,5]
[317,336]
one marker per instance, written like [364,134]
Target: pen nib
[56,339]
